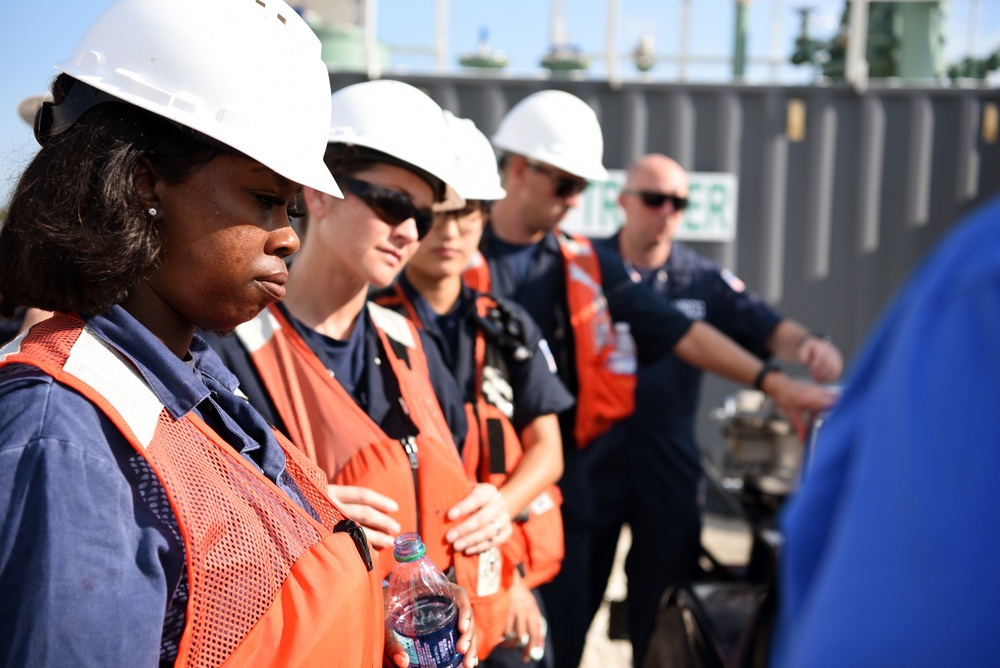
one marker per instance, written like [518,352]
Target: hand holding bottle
[425,612]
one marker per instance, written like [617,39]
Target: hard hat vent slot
[261,3]
[130,82]
[281,18]
[88,61]
[186,103]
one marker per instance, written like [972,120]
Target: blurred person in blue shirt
[891,541]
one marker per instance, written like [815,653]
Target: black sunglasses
[655,200]
[566,186]
[392,206]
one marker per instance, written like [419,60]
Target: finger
[464,608]
[467,642]
[496,532]
[533,641]
[362,496]
[372,519]
[394,649]
[536,652]
[521,628]
[805,353]
[476,529]
[825,372]
[480,495]
[500,537]
[799,425]
[379,540]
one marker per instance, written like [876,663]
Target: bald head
[656,172]
[652,211]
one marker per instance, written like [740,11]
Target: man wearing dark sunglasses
[551,145]
[652,480]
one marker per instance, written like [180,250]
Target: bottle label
[433,650]
[490,565]
[622,360]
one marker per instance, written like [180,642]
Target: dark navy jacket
[667,392]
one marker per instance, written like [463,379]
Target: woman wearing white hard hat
[150,516]
[355,385]
[501,364]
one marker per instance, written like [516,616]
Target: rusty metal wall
[830,225]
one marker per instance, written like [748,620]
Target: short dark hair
[77,235]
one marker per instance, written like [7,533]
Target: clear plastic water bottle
[422,608]
[622,359]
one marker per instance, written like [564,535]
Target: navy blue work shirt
[357,365]
[535,385]
[655,325]
[667,392]
[92,566]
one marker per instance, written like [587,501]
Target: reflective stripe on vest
[268,584]
[604,396]
[424,475]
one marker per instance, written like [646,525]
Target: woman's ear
[145,183]
[317,202]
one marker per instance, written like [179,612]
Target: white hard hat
[399,120]
[475,162]
[248,74]
[556,128]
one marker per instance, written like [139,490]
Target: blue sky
[38,33]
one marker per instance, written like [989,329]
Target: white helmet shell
[397,119]
[556,128]
[246,73]
[476,172]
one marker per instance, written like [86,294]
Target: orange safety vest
[423,474]
[604,395]
[269,584]
[491,452]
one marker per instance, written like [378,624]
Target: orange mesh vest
[492,450]
[603,396]
[423,474]
[269,584]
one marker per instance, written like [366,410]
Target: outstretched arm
[705,347]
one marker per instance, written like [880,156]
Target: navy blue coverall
[647,471]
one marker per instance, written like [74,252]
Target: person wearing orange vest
[511,391]
[597,321]
[150,515]
[355,385]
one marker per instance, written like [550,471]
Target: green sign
[710,215]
